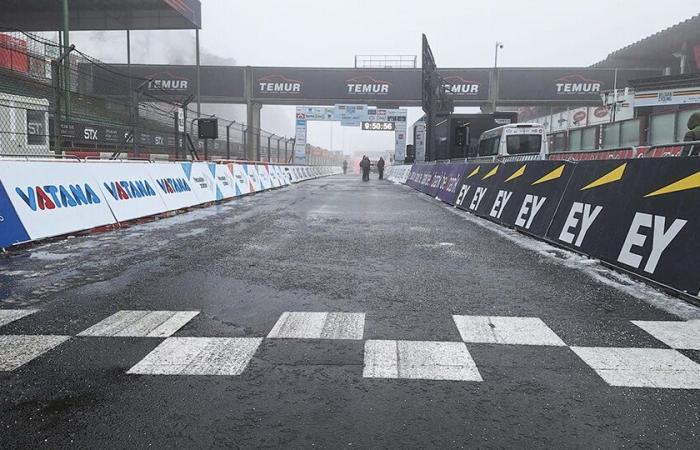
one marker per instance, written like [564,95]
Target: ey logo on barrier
[661,237]
[581,217]
[500,204]
[173,185]
[57,196]
[126,190]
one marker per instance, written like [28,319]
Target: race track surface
[336,313]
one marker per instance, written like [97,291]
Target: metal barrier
[611,153]
[668,150]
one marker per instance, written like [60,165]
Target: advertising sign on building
[350,115]
[680,96]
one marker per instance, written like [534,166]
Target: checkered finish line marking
[10,315]
[397,359]
[141,324]
[198,356]
[319,325]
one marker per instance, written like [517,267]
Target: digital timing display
[378,126]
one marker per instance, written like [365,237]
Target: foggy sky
[329,33]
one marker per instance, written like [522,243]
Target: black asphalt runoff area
[333,244]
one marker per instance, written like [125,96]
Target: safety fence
[48,106]
[47,198]
[638,215]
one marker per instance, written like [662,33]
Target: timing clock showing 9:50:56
[378,126]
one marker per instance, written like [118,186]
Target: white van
[513,142]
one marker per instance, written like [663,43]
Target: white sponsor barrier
[292,174]
[224,181]
[40,199]
[172,184]
[202,180]
[240,178]
[54,198]
[398,174]
[264,177]
[128,187]
[274,176]
[283,175]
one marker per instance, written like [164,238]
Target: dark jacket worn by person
[693,134]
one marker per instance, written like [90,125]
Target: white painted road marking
[682,335]
[141,324]
[198,356]
[427,360]
[642,367]
[10,315]
[506,330]
[17,350]
[319,325]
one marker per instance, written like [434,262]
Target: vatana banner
[45,199]
[41,199]
[129,189]
[173,185]
[641,214]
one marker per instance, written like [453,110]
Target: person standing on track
[345,166]
[380,168]
[364,165]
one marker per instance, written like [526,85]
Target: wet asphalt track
[337,245]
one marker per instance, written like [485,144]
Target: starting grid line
[387,359]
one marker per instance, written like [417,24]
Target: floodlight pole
[228,139]
[66,61]
[128,64]
[199,99]
[494,90]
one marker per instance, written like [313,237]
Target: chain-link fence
[48,107]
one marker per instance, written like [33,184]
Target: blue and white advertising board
[129,189]
[51,199]
[172,182]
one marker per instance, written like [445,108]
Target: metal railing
[50,108]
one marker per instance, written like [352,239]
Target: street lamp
[228,139]
[499,45]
